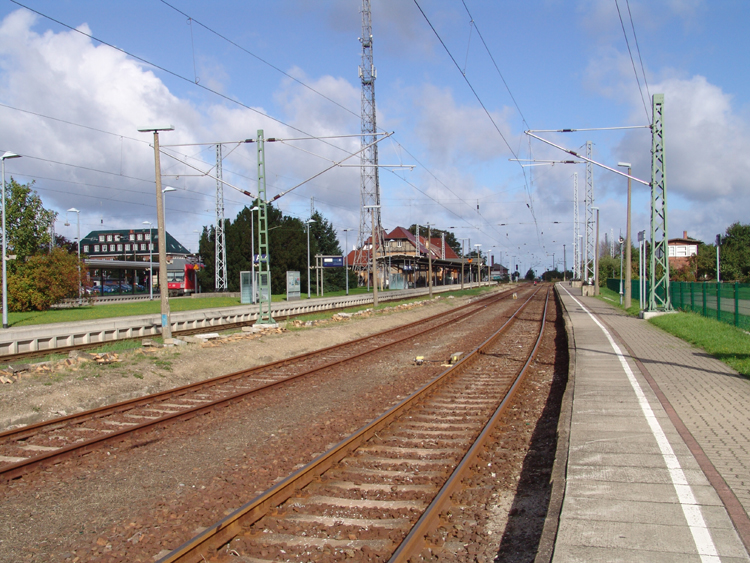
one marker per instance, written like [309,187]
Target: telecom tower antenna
[576,231]
[369,181]
[590,251]
[221,247]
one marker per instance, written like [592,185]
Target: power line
[637,48]
[497,68]
[640,90]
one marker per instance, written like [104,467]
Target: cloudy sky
[458,83]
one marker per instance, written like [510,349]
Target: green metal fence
[725,302]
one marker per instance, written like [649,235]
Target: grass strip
[724,342]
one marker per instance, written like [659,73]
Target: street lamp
[5,157]
[628,256]
[596,254]
[78,221]
[621,240]
[150,263]
[308,255]
[346,258]
[166,323]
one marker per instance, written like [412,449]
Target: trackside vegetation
[724,342]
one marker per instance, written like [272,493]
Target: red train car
[182,276]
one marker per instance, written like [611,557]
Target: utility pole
[565,263]
[576,231]
[429,255]
[220,240]
[264,260]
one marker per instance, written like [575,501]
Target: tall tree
[27,221]
[734,253]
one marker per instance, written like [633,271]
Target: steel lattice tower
[576,231]
[369,180]
[590,251]
[264,262]
[221,248]
[658,299]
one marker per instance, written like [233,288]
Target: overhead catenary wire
[638,48]
[627,43]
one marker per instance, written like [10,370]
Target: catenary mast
[221,248]
[369,181]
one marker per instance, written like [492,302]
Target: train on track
[182,276]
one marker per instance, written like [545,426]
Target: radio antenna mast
[369,181]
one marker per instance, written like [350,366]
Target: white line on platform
[690,507]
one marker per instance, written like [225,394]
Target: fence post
[704,299]
[692,297]
[718,301]
[736,303]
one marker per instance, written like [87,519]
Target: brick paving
[620,502]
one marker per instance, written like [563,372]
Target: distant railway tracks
[378,495]
[48,443]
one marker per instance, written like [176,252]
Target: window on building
[119,248]
[85,247]
[151,245]
[143,246]
[127,248]
[101,238]
[399,243]
[109,238]
[96,248]
[140,236]
[131,237]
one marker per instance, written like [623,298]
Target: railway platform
[658,454]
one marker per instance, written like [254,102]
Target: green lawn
[92,312]
[613,298]
[724,342]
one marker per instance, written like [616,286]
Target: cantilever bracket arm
[582,157]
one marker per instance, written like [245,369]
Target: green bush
[42,280]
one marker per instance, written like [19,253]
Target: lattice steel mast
[369,180]
[221,248]
[659,299]
[264,263]
[576,231]
[590,252]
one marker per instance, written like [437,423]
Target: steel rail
[17,469]
[223,531]
[415,541]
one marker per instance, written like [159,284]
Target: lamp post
[621,240]
[718,244]
[308,256]
[479,265]
[150,263]
[628,255]
[429,257]
[346,258]
[166,323]
[596,254]
[78,223]
[5,157]
[565,263]
[252,249]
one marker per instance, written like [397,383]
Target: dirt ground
[75,385]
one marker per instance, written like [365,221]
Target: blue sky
[566,64]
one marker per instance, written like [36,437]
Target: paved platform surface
[659,455]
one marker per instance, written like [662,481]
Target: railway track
[378,494]
[47,443]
